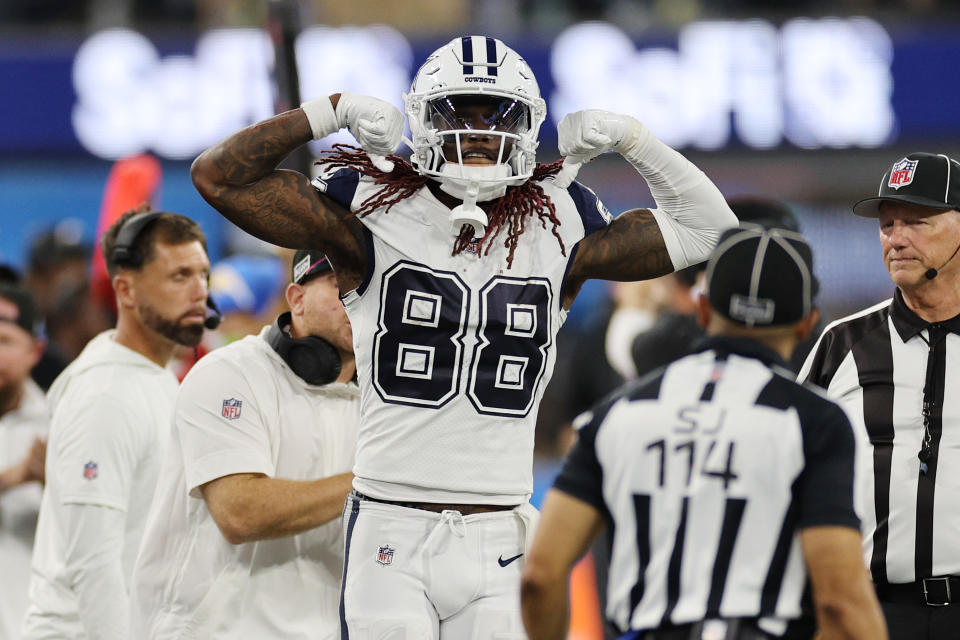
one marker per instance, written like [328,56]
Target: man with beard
[111,411]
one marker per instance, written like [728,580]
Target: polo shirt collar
[908,324]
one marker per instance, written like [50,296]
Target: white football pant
[411,574]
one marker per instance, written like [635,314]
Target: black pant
[921,621]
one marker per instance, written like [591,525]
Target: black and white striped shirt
[882,365]
[706,471]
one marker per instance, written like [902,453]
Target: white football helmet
[474,70]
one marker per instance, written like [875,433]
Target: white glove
[691,212]
[377,125]
[583,135]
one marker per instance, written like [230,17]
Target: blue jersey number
[513,339]
[418,348]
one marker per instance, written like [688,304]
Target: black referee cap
[761,277]
[307,264]
[925,179]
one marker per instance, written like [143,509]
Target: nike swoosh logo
[504,563]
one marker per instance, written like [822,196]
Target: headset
[312,358]
[933,272]
[126,254]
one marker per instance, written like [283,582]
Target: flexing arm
[239,177]
[643,244]
[566,528]
[846,605]
[249,506]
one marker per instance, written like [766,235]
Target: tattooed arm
[629,248]
[240,179]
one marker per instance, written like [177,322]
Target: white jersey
[19,506]
[242,410]
[111,413]
[454,352]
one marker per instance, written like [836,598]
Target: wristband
[321,116]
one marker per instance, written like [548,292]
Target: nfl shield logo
[231,408]
[902,173]
[90,470]
[385,555]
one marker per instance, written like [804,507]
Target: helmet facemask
[480,140]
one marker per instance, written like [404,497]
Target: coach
[725,485]
[243,538]
[893,367]
[110,419]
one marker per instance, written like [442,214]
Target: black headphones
[124,253]
[315,360]
[123,250]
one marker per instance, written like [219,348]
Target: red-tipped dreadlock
[511,210]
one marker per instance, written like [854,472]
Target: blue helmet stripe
[466,44]
[491,57]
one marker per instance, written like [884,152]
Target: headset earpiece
[124,252]
[312,358]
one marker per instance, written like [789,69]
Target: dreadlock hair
[519,204]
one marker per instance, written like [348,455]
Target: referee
[895,367]
[723,484]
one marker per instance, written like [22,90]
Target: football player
[456,269]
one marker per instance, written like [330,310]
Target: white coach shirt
[242,410]
[111,413]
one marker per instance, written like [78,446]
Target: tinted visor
[485,113]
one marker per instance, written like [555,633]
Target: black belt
[728,629]
[435,507]
[933,592]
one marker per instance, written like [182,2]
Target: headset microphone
[212,321]
[932,273]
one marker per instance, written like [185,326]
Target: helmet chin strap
[472,184]
[490,181]
[468,212]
